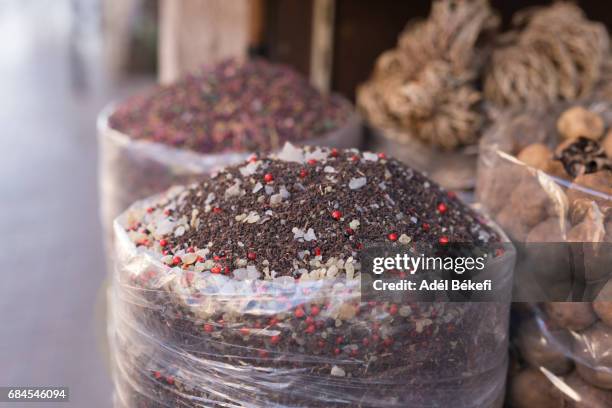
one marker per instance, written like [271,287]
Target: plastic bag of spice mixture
[133,169]
[547,179]
[245,289]
[215,116]
[239,342]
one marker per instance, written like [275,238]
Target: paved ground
[52,269]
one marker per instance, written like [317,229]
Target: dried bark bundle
[604,87]
[425,87]
[554,53]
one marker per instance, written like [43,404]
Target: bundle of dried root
[603,90]
[554,53]
[426,86]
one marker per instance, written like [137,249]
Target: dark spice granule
[233,106]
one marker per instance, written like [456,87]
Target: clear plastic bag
[564,348]
[181,339]
[131,169]
[543,202]
[562,367]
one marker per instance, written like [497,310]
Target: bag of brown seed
[209,119]
[546,177]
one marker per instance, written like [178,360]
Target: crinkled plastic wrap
[185,339]
[452,169]
[564,349]
[559,366]
[131,169]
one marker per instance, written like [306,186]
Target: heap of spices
[233,106]
[216,117]
[258,304]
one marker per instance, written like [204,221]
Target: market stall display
[243,289]
[430,99]
[218,116]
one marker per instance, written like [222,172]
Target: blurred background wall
[194,32]
[288,31]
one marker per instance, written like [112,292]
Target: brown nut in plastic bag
[538,202]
